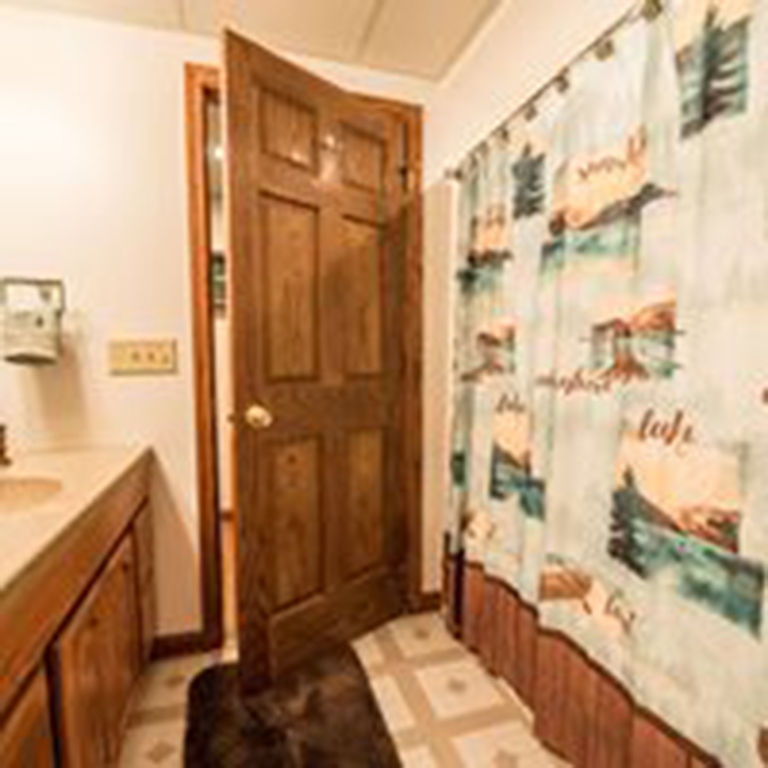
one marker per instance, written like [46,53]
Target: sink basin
[19,494]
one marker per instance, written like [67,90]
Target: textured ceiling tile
[327,28]
[423,37]
[416,37]
[200,16]
[164,14]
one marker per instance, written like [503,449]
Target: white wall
[93,190]
[523,45]
[440,233]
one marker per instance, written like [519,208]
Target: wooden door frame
[201,80]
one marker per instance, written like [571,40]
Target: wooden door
[315,197]
[26,739]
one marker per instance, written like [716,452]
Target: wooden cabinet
[143,538]
[119,619]
[96,661]
[75,631]
[26,739]
[78,669]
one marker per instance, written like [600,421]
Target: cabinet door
[97,662]
[78,663]
[144,544]
[26,740]
[118,618]
[145,569]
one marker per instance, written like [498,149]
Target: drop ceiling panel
[327,28]
[423,37]
[165,14]
[200,16]
[416,37]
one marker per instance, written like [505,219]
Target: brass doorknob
[258,417]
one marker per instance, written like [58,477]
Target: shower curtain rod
[603,48]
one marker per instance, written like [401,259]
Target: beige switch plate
[143,357]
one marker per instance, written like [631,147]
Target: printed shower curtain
[610,439]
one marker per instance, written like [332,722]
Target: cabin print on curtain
[610,424]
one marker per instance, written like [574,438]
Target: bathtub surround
[608,534]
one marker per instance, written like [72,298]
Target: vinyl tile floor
[443,709]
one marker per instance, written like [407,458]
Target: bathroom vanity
[76,604]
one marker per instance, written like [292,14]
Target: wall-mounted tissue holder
[31,312]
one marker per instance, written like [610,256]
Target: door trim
[202,79]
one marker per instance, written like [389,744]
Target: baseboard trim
[426,601]
[182,644]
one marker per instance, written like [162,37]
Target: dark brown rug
[324,715]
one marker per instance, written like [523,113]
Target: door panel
[365,502]
[296,492]
[364,159]
[316,306]
[289,260]
[290,130]
[364,300]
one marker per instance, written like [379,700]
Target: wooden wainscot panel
[507,662]
[580,707]
[490,626]
[653,747]
[610,742]
[580,712]
[762,745]
[697,762]
[552,663]
[527,641]
[473,595]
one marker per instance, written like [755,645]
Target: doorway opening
[212,368]
[216,416]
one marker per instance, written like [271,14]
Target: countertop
[85,476]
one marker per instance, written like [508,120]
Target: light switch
[143,357]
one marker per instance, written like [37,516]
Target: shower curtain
[610,426]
